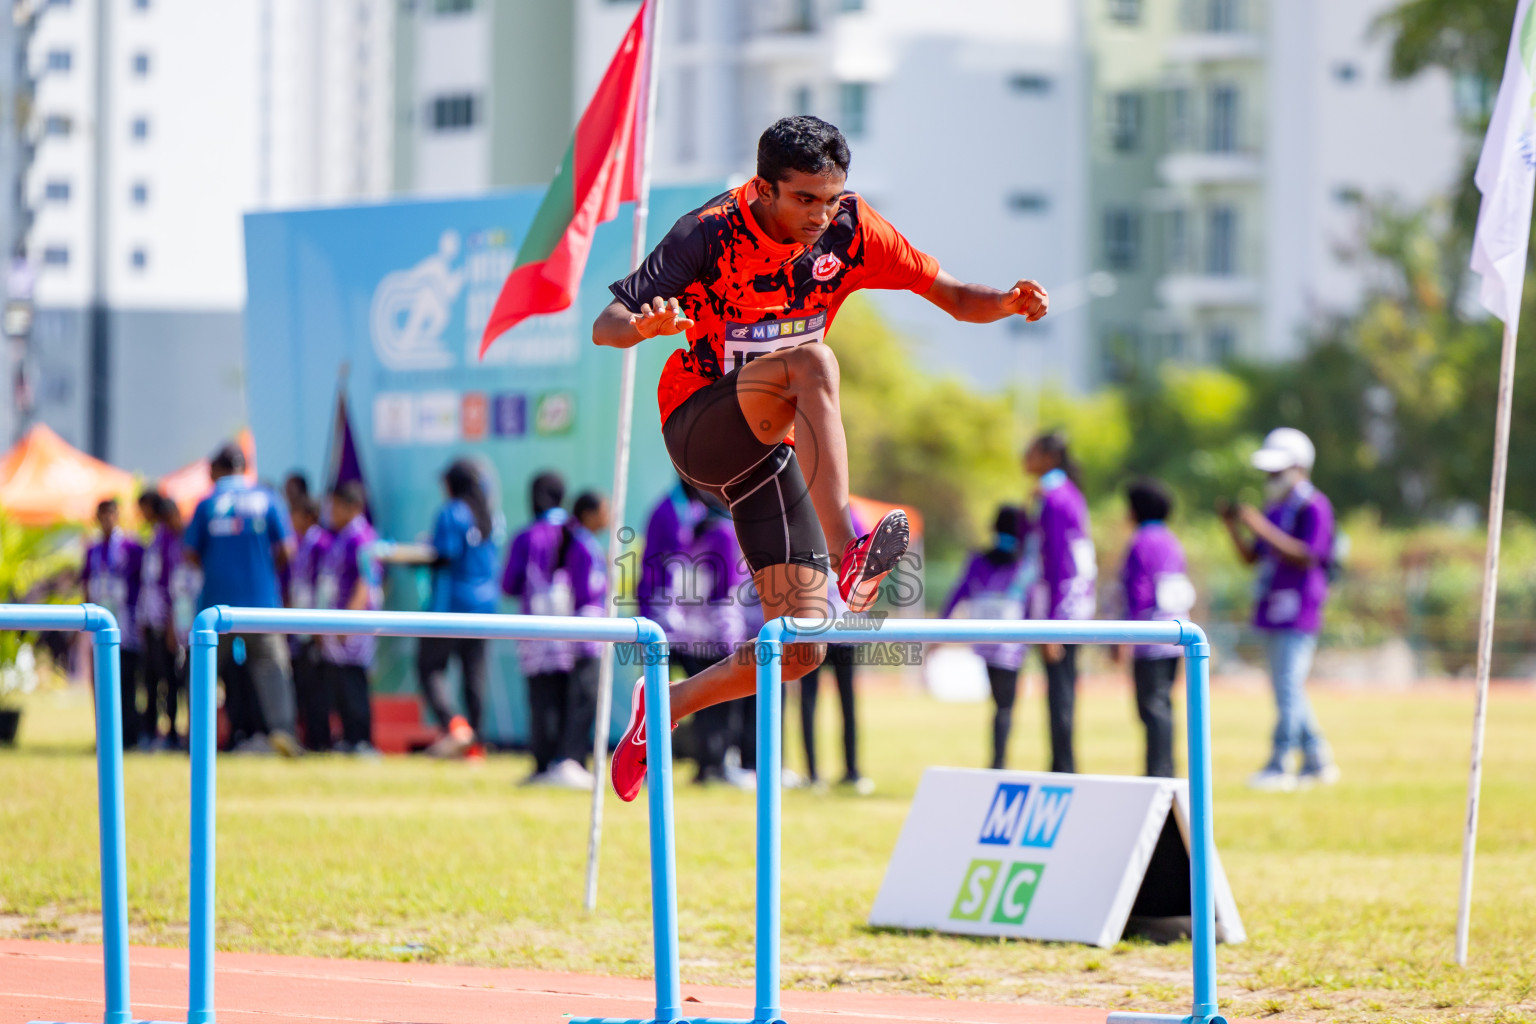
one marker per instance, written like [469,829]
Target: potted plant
[37,563]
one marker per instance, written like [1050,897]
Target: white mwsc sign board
[1036,855]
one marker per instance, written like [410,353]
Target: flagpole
[621,462]
[1485,635]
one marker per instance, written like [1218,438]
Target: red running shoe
[869,559]
[627,769]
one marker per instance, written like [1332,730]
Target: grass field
[1348,894]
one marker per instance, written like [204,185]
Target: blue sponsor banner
[399,293]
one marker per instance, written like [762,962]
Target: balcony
[1199,291]
[1213,47]
[1209,168]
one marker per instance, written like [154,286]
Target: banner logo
[411,309]
[1025,815]
[1012,897]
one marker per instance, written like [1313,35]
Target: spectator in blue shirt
[463,580]
[240,538]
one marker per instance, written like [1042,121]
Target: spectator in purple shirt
[309,682]
[1156,585]
[994,586]
[348,576]
[531,577]
[1068,577]
[111,579]
[711,619]
[668,537]
[162,650]
[583,561]
[1291,541]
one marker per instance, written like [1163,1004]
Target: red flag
[597,173]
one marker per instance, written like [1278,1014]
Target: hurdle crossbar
[212,622]
[769,658]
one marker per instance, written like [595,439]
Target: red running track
[63,982]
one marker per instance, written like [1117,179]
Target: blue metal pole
[770,657]
[109,795]
[202,728]
[658,770]
[1202,834]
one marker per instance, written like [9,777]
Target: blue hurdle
[93,619]
[769,657]
[204,727]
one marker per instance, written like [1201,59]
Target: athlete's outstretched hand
[660,316]
[1028,299]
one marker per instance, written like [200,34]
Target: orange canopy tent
[867,512]
[192,483]
[45,481]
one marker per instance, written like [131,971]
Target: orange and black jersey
[749,295]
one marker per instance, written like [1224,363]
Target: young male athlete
[753,279]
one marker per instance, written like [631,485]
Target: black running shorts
[715,450]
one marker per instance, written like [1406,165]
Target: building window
[58,3]
[59,60]
[141,5]
[687,126]
[139,194]
[1179,133]
[801,99]
[1346,72]
[1125,121]
[1126,12]
[1030,85]
[139,258]
[1028,202]
[850,5]
[853,105]
[1221,343]
[56,256]
[56,191]
[1223,134]
[1117,354]
[1176,240]
[58,125]
[1224,15]
[139,129]
[1122,230]
[687,15]
[1221,241]
[454,113]
[141,64]
[802,16]
[452,6]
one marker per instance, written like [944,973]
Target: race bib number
[746,342]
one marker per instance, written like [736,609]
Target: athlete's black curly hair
[801,143]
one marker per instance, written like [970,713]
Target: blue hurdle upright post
[105,639]
[212,622]
[770,652]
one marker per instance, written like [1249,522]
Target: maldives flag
[597,173]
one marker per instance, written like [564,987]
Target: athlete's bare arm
[617,327]
[979,304]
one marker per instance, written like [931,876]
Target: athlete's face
[798,210]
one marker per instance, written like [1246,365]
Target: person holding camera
[1291,542]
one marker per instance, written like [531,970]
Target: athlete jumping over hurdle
[753,279]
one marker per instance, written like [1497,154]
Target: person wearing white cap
[1291,541]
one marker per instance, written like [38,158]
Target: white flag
[1506,175]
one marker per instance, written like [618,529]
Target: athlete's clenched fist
[1028,299]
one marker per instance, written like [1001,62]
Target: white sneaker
[790,779]
[1271,781]
[741,778]
[258,745]
[1327,775]
[567,774]
[536,778]
[366,750]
